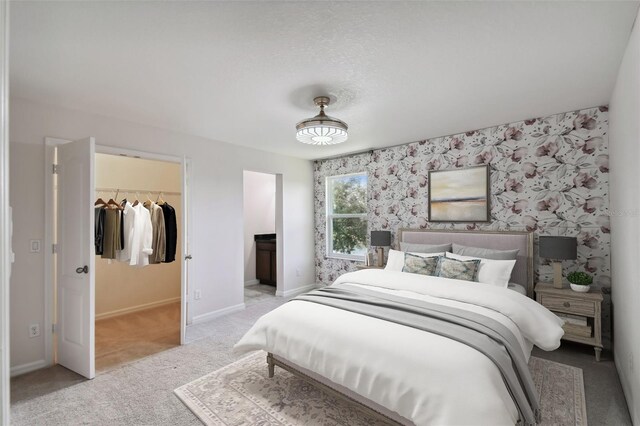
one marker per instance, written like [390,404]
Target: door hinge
[55,169]
[54,248]
[53,328]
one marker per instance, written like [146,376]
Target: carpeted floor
[606,404]
[141,393]
[258,292]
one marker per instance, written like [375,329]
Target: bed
[408,373]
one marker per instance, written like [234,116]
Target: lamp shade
[380,238]
[558,248]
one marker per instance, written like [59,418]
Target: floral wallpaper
[549,175]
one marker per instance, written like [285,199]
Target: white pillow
[494,272]
[395,261]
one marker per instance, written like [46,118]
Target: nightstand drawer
[565,304]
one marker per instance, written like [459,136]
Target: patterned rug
[242,394]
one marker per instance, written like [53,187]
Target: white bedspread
[425,378]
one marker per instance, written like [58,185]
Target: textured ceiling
[246,73]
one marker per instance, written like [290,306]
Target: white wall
[217,242]
[27,275]
[624,152]
[259,216]
[120,287]
[5,242]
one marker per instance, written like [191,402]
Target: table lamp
[558,249]
[381,239]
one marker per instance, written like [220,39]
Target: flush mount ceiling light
[322,129]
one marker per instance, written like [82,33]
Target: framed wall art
[459,195]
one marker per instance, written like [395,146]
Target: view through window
[347,216]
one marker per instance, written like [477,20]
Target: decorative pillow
[395,260]
[485,253]
[423,265]
[424,248]
[494,272]
[457,269]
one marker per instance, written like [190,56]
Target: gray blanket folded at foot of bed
[484,334]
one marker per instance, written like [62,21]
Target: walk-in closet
[137,267]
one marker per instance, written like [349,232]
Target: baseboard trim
[251,282]
[296,291]
[137,308]
[28,367]
[215,314]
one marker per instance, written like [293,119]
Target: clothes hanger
[149,200]
[159,200]
[100,201]
[113,203]
[136,202]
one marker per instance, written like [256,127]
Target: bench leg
[598,352]
[271,365]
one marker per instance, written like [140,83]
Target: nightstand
[363,266]
[585,310]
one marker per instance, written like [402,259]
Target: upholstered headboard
[508,240]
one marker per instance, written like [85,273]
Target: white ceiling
[246,73]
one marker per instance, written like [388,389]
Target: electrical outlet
[196,295]
[34,330]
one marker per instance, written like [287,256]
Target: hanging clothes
[141,237]
[128,224]
[171,232]
[112,233]
[159,239]
[121,227]
[99,230]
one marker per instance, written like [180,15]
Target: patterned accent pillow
[419,264]
[458,269]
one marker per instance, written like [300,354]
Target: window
[347,216]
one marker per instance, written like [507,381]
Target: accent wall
[548,175]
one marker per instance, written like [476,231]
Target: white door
[186,316]
[75,258]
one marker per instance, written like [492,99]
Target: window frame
[329,215]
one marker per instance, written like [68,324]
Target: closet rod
[133,191]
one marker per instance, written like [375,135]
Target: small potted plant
[580,281]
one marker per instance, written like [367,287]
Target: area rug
[242,394]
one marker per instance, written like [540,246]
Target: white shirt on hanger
[128,225]
[142,237]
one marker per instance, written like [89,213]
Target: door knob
[188,257]
[82,270]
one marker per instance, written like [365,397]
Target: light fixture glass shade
[322,129]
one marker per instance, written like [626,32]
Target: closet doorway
[137,299]
[260,237]
[120,306]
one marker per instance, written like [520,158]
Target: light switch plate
[35,246]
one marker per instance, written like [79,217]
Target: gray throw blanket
[484,334]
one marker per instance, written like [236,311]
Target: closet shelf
[142,191]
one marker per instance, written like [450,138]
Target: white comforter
[426,378]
